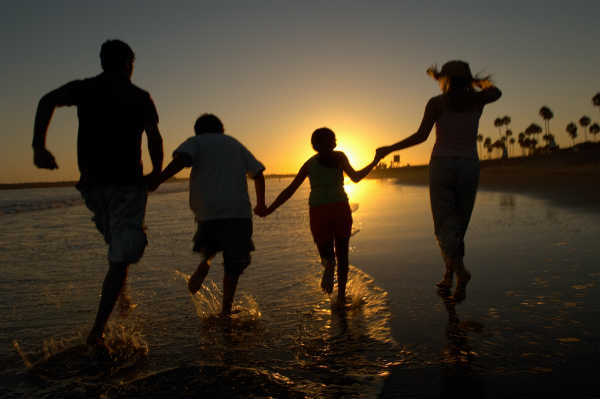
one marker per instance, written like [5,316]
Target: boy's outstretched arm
[180,161]
[357,175]
[259,186]
[289,190]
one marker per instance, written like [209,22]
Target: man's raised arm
[42,158]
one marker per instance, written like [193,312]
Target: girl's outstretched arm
[289,190]
[431,112]
[357,175]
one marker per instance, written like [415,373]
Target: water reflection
[507,200]
[459,379]
[536,287]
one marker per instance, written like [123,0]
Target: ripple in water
[312,350]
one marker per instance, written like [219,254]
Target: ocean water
[531,310]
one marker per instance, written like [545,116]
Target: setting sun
[358,156]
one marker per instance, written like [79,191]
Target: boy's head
[323,140]
[208,123]
[117,56]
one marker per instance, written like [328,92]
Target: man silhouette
[113,113]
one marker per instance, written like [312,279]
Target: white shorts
[119,215]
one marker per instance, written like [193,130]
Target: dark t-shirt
[112,115]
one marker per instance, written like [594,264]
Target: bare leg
[230,282]
[196,279]
[124,303]
[111,288]
[341,252]
[328,261]
[463,278]
[446,282]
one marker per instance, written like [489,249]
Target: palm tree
[533,130]
[572,131]
[487,144]
[508,133]
[498,122]
[584,121]
[550,143]
[521,140]
[596,100]
[506,121]
[497,146]
[503,147]
[531,145]
[546,114]
[512,142]
[479,140]
[527,144]
[595,129]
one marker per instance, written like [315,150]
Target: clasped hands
[382,152]
[262,210]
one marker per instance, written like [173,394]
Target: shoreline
[567,177]
[21,186]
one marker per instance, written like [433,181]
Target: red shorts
[329,221]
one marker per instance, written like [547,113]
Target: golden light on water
[356,191]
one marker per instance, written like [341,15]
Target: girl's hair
[456,76]
[322,138]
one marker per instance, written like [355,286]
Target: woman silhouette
[454,165]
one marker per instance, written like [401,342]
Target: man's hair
[208,123]
[115,55]
[322,138]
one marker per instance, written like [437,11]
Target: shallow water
[531,308]
[284,339]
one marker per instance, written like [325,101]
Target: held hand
[43,159]
[381,153]
[152,181]
[261,210]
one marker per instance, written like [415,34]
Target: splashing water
[207,301]
[283,341]
[70,357]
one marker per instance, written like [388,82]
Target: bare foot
[196,280]
[460,293]
[95,339]
[327,279]
[446,282]
[125,305]
[341,305]
[230,313]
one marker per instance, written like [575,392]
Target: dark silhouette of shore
[566,176]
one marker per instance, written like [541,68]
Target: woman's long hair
[458,84]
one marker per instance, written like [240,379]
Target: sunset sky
[273,71]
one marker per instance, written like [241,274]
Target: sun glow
[357,155]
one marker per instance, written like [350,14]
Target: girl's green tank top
[326,184]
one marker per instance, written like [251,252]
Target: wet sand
[568,178]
